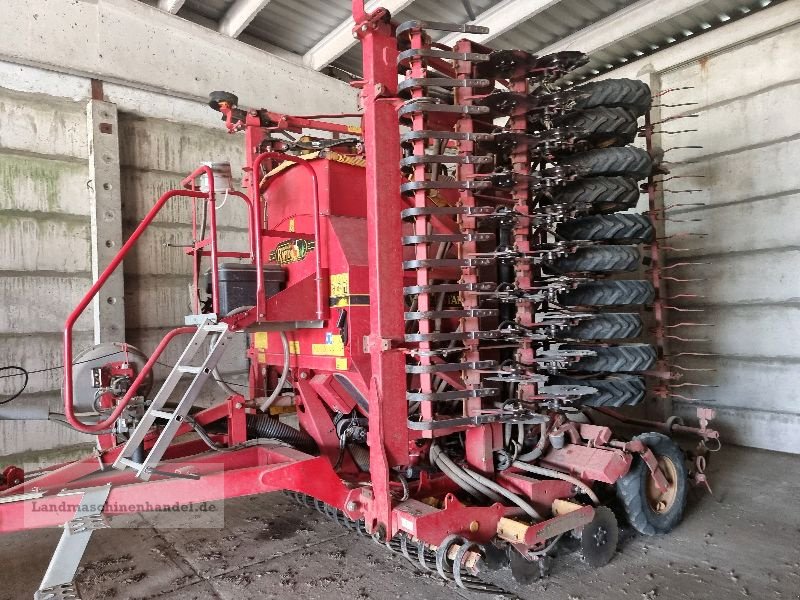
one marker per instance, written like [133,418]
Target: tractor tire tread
[604,326]
[624,227]
[609,293]
[615,391]
[632,94]
[624,358]
[598,259]
[627,161]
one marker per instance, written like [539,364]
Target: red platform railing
[257,191]
[209,196]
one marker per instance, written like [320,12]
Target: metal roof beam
[341,39]
[501,18]
[239,16]
[623,24]
[171,6]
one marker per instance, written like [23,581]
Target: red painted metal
[589,464]
[69,412]
[342,312]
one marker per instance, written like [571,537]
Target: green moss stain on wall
[38,184]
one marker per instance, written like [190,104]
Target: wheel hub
[658,500]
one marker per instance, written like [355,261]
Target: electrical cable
[24,385]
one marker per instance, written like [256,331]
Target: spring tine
[449,367]
[471,211]
[412,186]
[430,106]
[683,148]
[690,384]
[447,262]
[677,131]
[439,26]
[446,158]
[671,90]
[679,296]
[679,265]
[687,340]
[470,313]
[406,55]
[681,309]
[675,118]
[425,134]
[438,238]
[678,280]
[688,324]
[447,82]
[451,396]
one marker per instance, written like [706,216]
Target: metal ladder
[173,419]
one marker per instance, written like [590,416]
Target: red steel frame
[264,468]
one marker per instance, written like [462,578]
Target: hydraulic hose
[264,426]
[282,380]
[485,485]
[215,374]
[558,475]
[538,450]
[461,479]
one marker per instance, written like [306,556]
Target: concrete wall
[165,130]
[747,86]
[45,249]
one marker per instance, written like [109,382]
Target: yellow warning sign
[341,364]
[294,347]
[333,346]
[340,285]
[261,340]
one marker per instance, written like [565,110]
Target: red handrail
[261,299]
[187,182]
[69,409]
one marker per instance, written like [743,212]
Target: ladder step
[188,369]
[162,414]
[128,463]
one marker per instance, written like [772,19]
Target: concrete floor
[743,542]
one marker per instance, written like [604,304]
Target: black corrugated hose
[265,426]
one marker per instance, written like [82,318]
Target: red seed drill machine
[433,294]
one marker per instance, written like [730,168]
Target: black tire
[600,194]
[603,127]
[614,391]
[631,94]
[625,358]
[604,326]
[597,259]
[632,489]
[609,293]
[628,161]
[626,227]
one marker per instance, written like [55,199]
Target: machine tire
[625,358]
[625,227]
[613,391]
[603,194]
[631,94]
[635,488]
[604,127]
[609,293]
[604,326]
[628,161]
[597,259]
